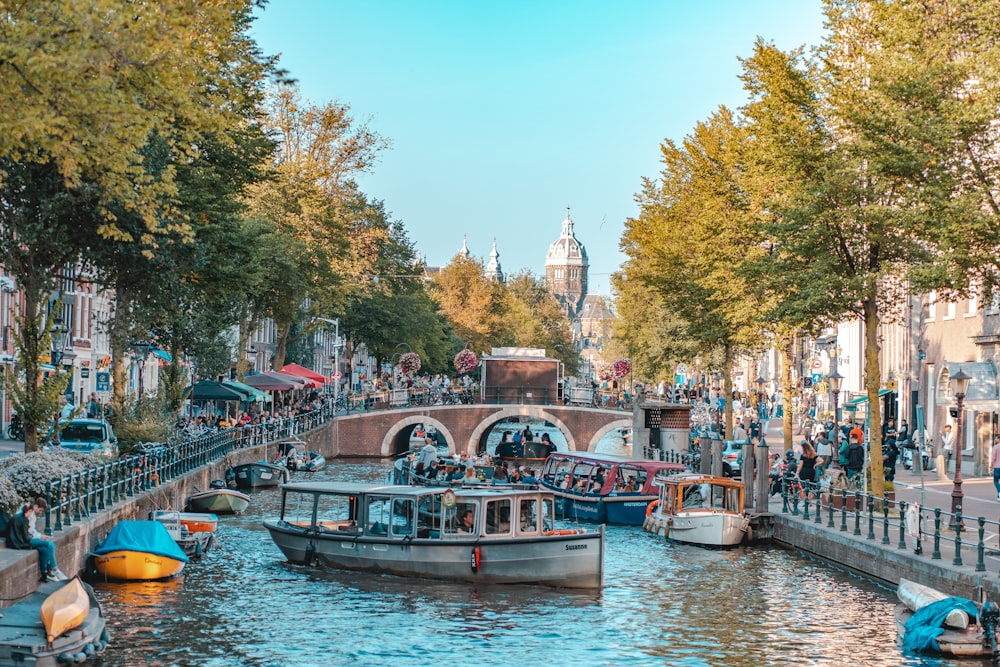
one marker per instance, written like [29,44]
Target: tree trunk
[118,342]
[728,386]
[873,380]
[787,421]
[281,346]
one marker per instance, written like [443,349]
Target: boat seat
[377,528]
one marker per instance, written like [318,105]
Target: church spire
[493,270]
[464,252]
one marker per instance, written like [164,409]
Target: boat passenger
[500,475]
[529,477]
[545,439]
[428,452]
[468,522]
[470,476]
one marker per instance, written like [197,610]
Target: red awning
[303,372]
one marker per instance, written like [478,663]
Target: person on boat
[545,439]
[467,523]
[470,476]
[515,476]
[500,475]
[428,453]
[22,534]
[527,435]
[529,478]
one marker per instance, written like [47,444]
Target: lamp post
[836,379]
[252,359]
[959,387]
[141,349]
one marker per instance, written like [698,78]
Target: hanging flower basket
[621,367]
[604,373]
[465,361]
[409,363]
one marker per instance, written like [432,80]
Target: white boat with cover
[930,621]
[484,535]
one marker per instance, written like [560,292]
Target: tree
[533,317]
[471,302]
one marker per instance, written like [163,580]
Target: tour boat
[60,623]
[525,453]
[218,500]
[487,535]
[260,474]
[139,551]
[698,509]
[601,487]
[928,620]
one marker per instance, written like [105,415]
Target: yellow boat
[65,609]
[138,551]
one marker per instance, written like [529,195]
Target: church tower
[566,269]
[493,270]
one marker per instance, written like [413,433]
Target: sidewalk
[8,447]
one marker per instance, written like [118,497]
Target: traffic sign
[682,368]
[817,363]
[85,372]
[103,381]
[891,384]
[335,376]
[817,377]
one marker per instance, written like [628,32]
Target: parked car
[732,458]
[90,436]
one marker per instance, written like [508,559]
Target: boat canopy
[149,536]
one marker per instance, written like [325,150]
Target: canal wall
[19,573]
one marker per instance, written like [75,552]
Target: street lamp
[959,387]
[836,379]
[252,358]
[141,349]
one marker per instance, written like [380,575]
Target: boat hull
[127,565]
[529,452]
[23,639]
[218,501]
[567,561]
[65,609]
[259,475]
[705,528]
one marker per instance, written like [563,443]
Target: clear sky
[502,114]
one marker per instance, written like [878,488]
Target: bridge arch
[519,411]
[604,430]
[394,431]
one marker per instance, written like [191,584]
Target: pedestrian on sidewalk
[947,445]
[995,462]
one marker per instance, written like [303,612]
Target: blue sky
[502,114]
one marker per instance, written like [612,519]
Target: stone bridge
[387,433]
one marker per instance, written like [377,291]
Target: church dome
[566,250]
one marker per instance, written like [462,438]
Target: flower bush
[622,367]
[465,361]
[28,473]
[409,363]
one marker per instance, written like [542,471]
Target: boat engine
[990,617]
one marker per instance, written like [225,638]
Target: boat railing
[889,521]
[73,497]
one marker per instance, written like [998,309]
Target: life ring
[652,506]
[576,531]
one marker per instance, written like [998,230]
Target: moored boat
[194,532]
[306,462]
[59,623]
[260,474]
[483,535]
[218,500]
[930,621]
[138,551]
[698,509]
[533,452]
[603,488]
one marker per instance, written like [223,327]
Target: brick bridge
[387,432]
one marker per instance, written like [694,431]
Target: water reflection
[663,604]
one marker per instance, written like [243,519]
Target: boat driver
[468,522]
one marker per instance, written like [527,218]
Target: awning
[303,382]
[252,393]
[162,354]
[272,381]
[855,402]
[302,371]
[207,390]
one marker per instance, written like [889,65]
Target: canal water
[662,604]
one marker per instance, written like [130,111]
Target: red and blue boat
[603,488]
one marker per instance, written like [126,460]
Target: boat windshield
[394,517]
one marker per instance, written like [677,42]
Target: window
[527,517]
[401,520]
[949,313]
[498,517]
[377,517]
[931,306]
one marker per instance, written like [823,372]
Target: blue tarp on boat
[148,536]
[927,623]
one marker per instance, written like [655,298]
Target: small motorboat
[260,474]
[194,532]
[139,551]
[698,509]
[60,623]
[930,621]
[306,461]
[218,500]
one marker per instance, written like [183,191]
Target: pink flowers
[465,361]
[621,367]
[409,363]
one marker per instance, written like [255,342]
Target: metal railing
[884,519]
[78,495]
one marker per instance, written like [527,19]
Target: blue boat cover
[149,536]
[927,623]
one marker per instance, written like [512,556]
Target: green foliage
[29,473]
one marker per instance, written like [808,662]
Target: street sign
[817,377]
[817,364]
[891,384]
[682,368]
[103,381]
[335,376]
[85,372]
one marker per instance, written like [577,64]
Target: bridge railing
[78,495]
